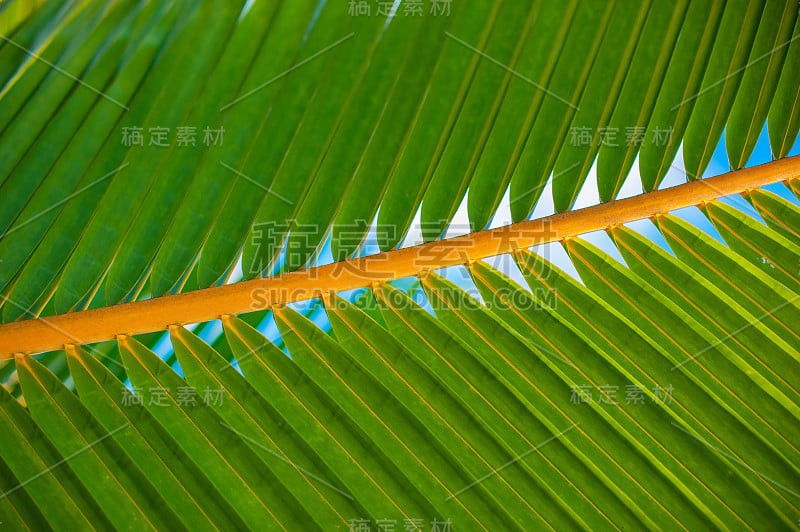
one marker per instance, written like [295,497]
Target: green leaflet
[443,413]
[783,119]
[778,213]
[279,215]
[469,134]
[124,194]
[176,477]
[108,36]
[510,356]
[599,98]
[713,309]
[456,369]
[21,182]
[37,27]
[447,89]
[774,254]
[114,480]
[429,464]
[264,90]
[363,107]
[763,296]
[378,483]
[55,48]
[235,214]
[247,414]
[17,509]
[713,102]
[229,462]
[638,97]
[180,166]
[652,365]
[518,113]
[362,198]
[764,65]
[682,80]
[56,491]
[555,115]
[623,427]
[76,173]
[690,347]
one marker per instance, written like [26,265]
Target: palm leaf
[655,387]
[301,90]
[448,399]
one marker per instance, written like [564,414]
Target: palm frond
[154,151]
[653,394]
[329,115]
